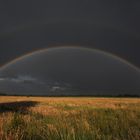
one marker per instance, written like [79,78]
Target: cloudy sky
[110,26]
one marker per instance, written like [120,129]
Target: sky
[109,26]
[69,69]
[112,26]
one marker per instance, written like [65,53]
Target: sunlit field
[69,118]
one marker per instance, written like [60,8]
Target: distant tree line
[73,95]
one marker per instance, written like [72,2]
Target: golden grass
[70,118]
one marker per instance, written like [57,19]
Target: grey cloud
[19,79]
[82,69]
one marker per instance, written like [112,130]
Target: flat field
[69,118]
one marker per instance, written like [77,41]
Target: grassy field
[69,118]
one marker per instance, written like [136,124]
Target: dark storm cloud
[73,68]
[112,26]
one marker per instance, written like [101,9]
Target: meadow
[69,118]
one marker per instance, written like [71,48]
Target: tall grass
[99,124]
[73,122]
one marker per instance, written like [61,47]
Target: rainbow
[62,47]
